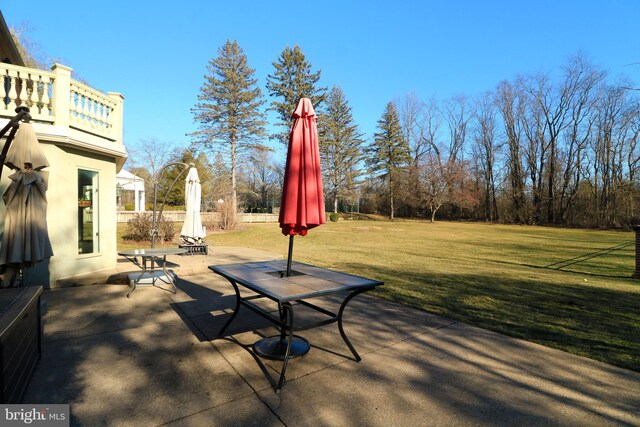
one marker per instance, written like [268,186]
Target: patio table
[267,280]
[150,276]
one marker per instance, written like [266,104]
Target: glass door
[88,235]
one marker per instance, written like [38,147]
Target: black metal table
[152,255]
[267,280]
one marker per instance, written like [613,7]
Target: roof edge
[11,44]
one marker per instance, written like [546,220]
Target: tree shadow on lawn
[588,263]
[563,264]
[600,323]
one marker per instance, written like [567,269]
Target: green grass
[563,288]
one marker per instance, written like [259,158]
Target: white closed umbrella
[25,241]
[192,230]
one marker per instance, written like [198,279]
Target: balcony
[65,111]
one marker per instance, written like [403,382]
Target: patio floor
[154,359]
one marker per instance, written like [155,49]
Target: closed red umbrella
[301,209]
[302,205]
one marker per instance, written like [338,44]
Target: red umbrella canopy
[302,205]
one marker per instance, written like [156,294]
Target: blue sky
[155,53]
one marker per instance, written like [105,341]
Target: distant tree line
[537,149]
[541,148]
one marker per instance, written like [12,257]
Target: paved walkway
[154,359]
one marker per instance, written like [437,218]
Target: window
[88,236]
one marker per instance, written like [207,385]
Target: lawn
[564,288]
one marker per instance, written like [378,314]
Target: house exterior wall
[63,197]
[67,266]
[78,128]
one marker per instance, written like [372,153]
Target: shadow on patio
[155,358]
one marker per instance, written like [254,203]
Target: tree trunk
[392,207]
[391,197]
[551,184]
[487,202]
[494,202]
[234,195]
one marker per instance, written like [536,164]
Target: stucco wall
[62,215]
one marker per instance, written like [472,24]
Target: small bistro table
[267,280]
[149,276]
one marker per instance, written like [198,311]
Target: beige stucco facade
[78,128]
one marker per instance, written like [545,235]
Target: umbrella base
[283,273]
[195,248]
[275,347]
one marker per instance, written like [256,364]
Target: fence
[207,217]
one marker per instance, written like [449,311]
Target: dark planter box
[20,340]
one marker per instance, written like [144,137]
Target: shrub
[166,230]
[334,217]
[228,218]
[139,229]
[129,207]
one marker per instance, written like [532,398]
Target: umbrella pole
[14,123]
[290,256]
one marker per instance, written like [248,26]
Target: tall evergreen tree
[228,111]
[389,153]
[176,196]
[292,79]
[340,148]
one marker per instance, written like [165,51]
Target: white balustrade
[29,87]
[53,97]
[91,110]
[13,92]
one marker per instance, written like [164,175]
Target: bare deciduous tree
[485,148]
[510,105]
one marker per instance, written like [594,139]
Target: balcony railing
[54,98]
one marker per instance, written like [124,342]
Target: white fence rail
[207,217]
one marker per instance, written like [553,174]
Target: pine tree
[178,173]
[340,148]
[389,153]
[173,194]
[292,80]
[229,108]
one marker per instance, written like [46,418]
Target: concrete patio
[155,359]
